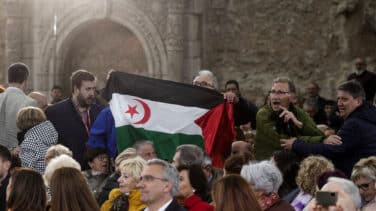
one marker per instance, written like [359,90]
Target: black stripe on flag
[161,90]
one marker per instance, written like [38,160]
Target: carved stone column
[175,40]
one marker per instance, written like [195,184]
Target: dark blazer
[69,125]
[358,134]
[174,206]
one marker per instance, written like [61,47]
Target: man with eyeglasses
[280,119]
[159,184]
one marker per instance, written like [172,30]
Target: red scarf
[267,201]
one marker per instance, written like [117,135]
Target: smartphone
[326,199]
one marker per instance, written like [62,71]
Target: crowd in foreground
[317,155]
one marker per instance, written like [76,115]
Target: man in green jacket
[279,119]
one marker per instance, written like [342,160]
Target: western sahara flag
[170,114]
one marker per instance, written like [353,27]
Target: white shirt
[163,208]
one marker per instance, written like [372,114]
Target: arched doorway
[100,45]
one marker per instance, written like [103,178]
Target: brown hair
[232,192]
[29,117]
[18,73]
[27,191]
[70,191]
[234,164]
[78,76]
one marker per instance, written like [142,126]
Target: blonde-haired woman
[127,196]
[309,170]
[37,135]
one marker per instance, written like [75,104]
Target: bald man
[242,148]
[366,78]
[40,98]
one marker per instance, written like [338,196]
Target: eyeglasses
[202,84]
[274,92]
[103,157]
[364,186]
[150,178]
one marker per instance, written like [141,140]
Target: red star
[132,110]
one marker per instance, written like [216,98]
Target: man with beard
[281,119]
[74,116]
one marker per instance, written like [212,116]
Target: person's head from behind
[18,74]
[159,182]
[145,149]
[83,85]
[311,107]
[29,117]
[56,150]
[70,191]
[188,154]
[98,159]
[206,79]
[5,161]
[234,164]
[232,86]
[324,177]
[124,155]
[192,180]
[130,173]
[280,93]
[309,170]
[350,96]
[26,191]
[40,98]
[288,163]
[348,197]
[233,193]
[263,176]
[364,177]
[59,162]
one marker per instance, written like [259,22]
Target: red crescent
[146,112]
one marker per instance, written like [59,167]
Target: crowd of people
[63,155]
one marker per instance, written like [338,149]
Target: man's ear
[7,165]
[168,187]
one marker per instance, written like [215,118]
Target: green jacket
[268,139]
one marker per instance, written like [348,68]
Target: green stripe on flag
[164,143]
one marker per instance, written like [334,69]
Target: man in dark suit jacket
[159,184]
[357,135]
[74,116]
[366,78]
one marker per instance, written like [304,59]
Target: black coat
[358,134]
[174,206]
[71,130]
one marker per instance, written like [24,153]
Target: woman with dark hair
[69,191]
[288,163]
[193,188]
[233,193]
[99,163]
[26,191]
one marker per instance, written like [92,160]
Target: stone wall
[256,41]
[2,40]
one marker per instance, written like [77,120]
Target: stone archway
[101,45]
[52,57]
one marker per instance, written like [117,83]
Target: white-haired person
[265,178]
[127,196]
[56,150]
[364,176]
[56,163]
[348,197]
